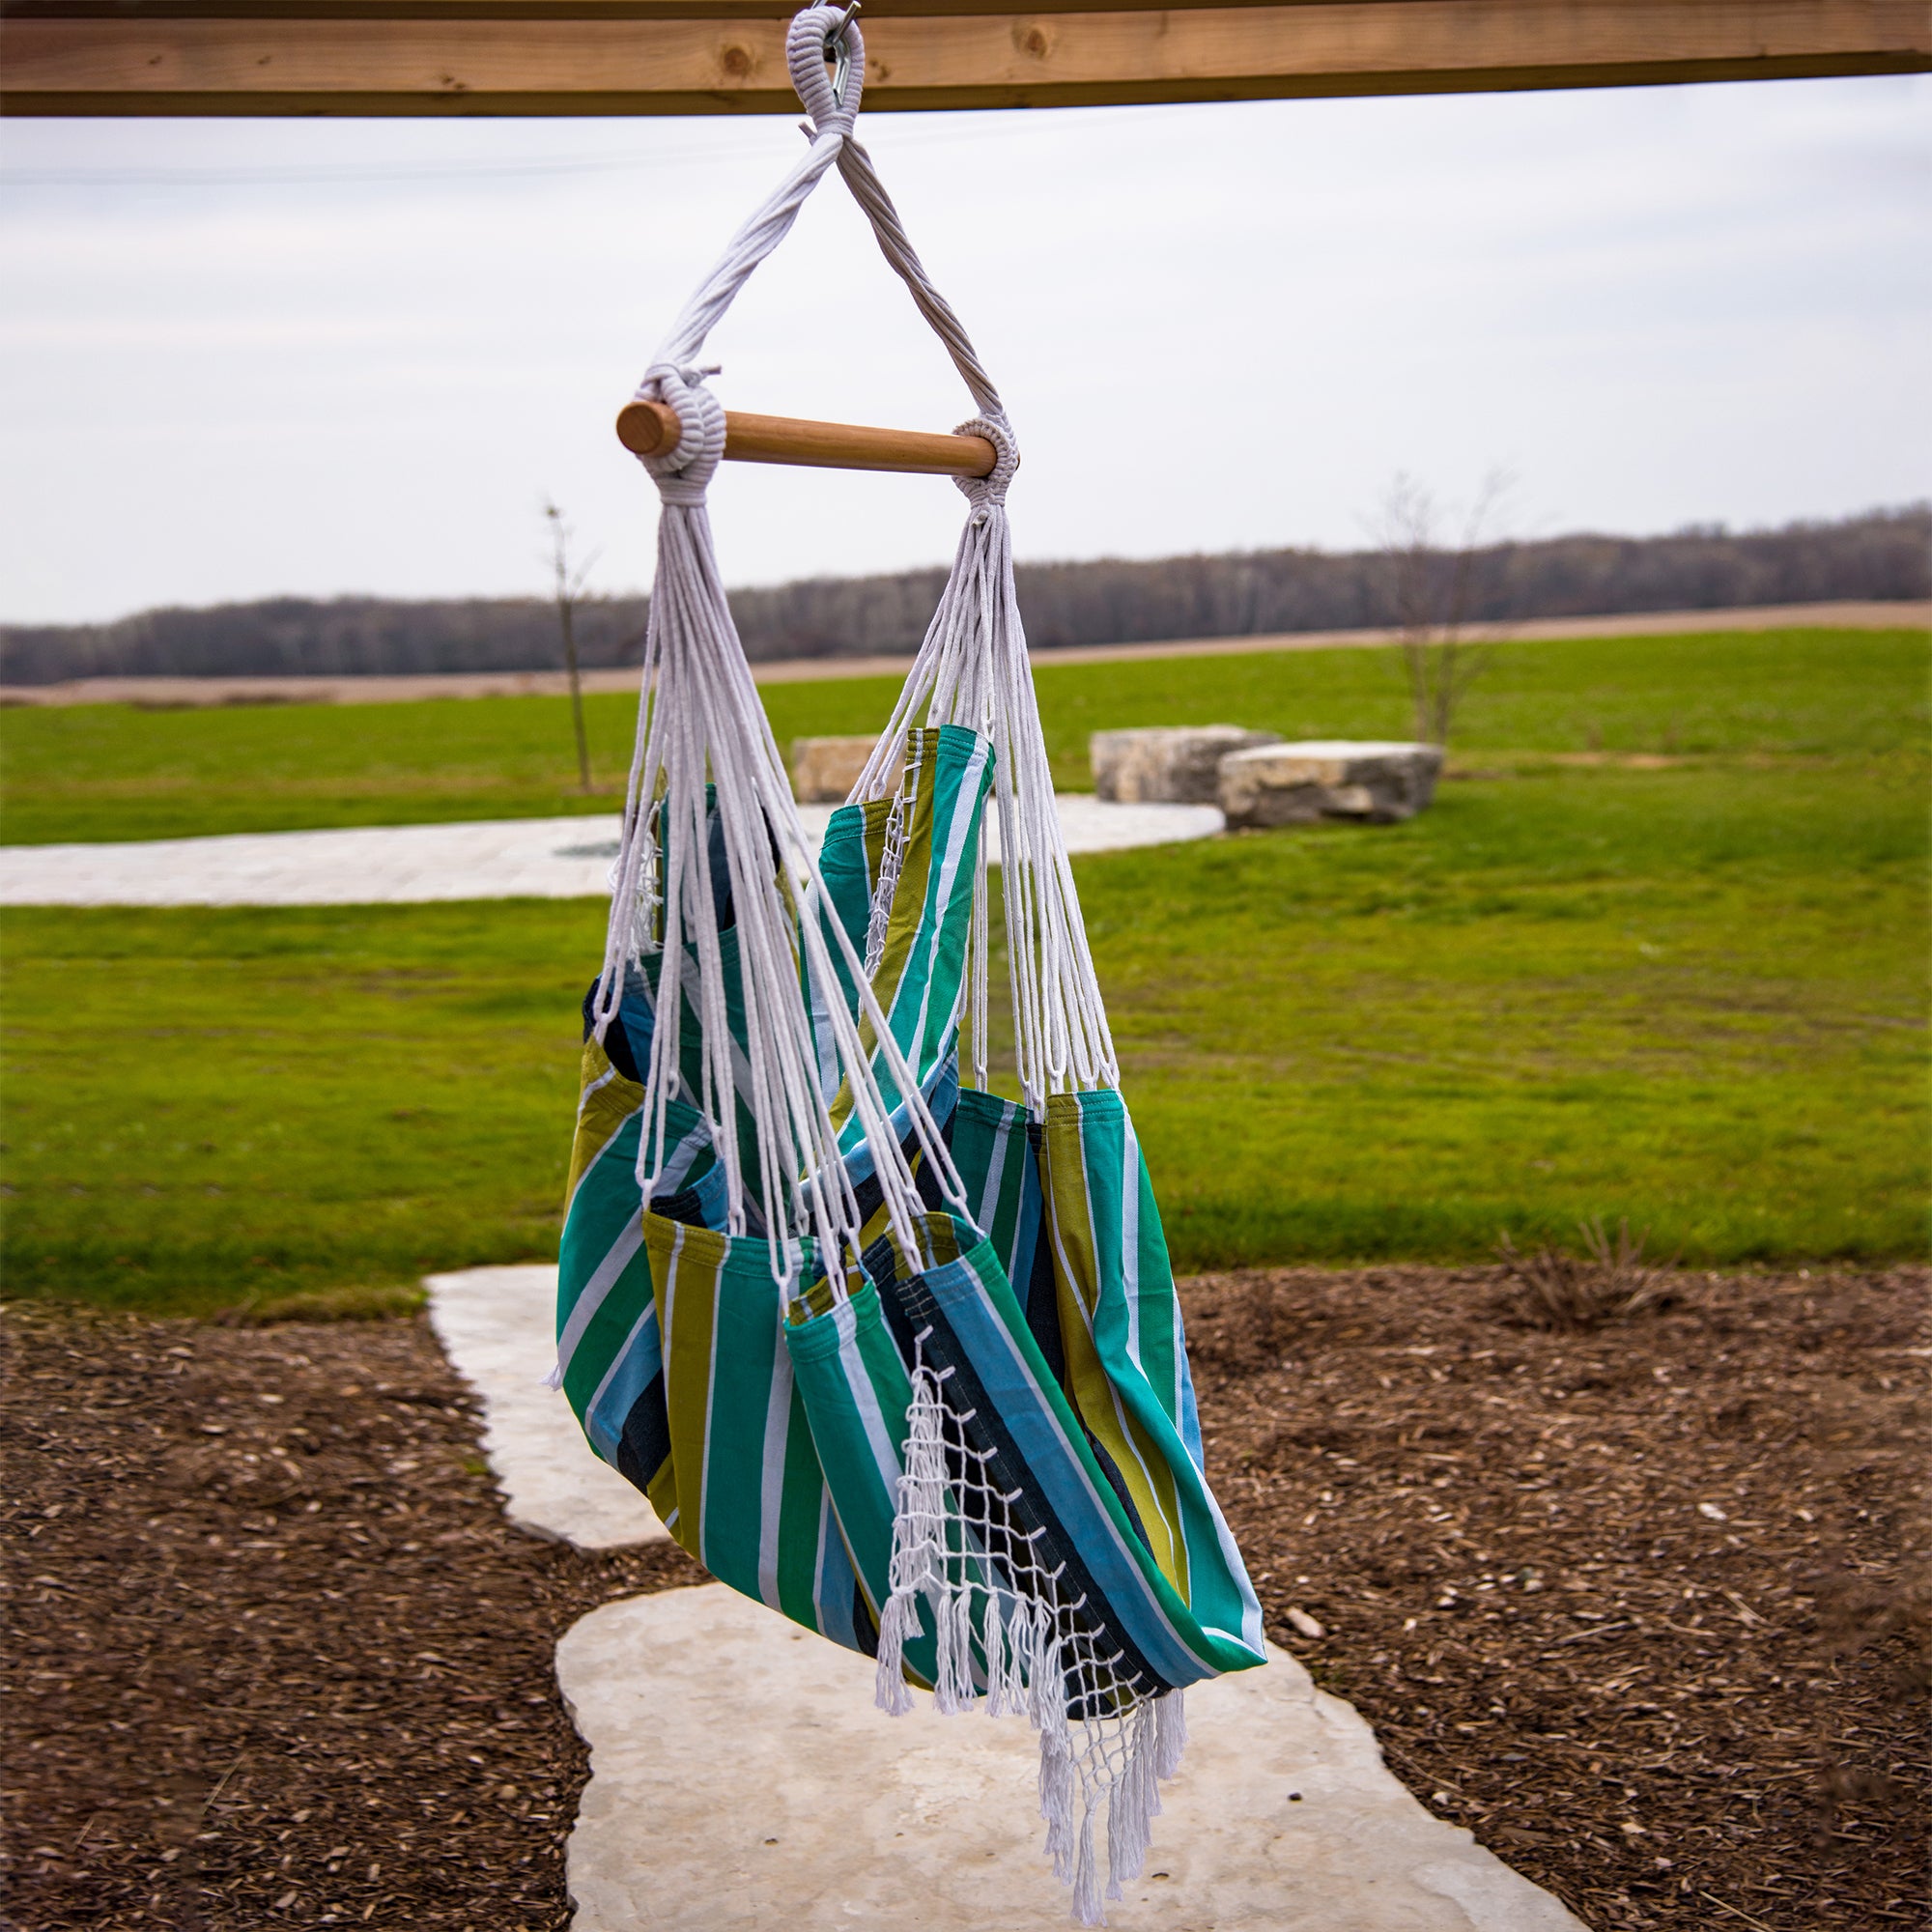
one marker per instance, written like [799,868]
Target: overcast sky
[240,358]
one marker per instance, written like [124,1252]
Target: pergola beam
[573,57]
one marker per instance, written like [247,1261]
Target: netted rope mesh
[1010,1631]
[964,1549]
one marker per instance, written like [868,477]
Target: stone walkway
[511,857]
[741,1778]
[498,1326]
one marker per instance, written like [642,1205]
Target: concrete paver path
[497,1325]
[512,858]
[740,1777]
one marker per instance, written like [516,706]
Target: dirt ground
[1648,1608]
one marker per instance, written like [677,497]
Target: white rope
[704,747]
[699,724]
[972,669]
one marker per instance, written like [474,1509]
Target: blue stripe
[638,1363]
[835,1591]
[1064,1487]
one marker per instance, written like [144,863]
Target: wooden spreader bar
[651,428]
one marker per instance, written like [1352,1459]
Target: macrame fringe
[1171,1738]
[1025,1667]
[919,1550]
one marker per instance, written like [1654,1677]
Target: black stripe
[686,1206]
[1042,1294]
[909,1308]
[644,1447]
[618,1046]
[865,1632]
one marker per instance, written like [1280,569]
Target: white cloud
[252,358]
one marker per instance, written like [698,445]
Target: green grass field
[1694,996]
[111,772]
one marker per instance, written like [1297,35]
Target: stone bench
[1165,764]
[824,770]
[1300,784]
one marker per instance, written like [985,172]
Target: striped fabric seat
[619,1346]
[1064,1248]
[902,1361]
[978,1461]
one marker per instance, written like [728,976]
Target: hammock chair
[897,1357]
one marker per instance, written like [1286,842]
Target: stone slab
[1368,779]
[824,770]
[741,1777]
[516,858]
[497,1325]
[1166,764]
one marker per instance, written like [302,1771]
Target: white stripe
[608,1271]
[604,1079]
[1179,1368]
[865,1397]
[710,1391]
[1130,1228]
[989,1204]
[618,1360]
[822,1038]
[682,1155]
[609,1141]
[818,1562]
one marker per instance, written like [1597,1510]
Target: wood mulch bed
[1647,1606]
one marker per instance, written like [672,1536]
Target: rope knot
[684,472]
[814,32]
[990,490]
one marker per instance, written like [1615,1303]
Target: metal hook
[839,54]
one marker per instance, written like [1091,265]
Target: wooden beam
[660,57]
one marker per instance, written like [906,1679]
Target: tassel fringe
[899,1621]
[1169,1734]
[1015,1649]
[919,1555]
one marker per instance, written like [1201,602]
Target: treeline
[1883,556]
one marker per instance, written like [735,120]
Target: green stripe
[920,974]
[798,1537]
[857,1393]
[1082,1150]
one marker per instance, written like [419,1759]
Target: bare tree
[1434,587]
[566,587]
